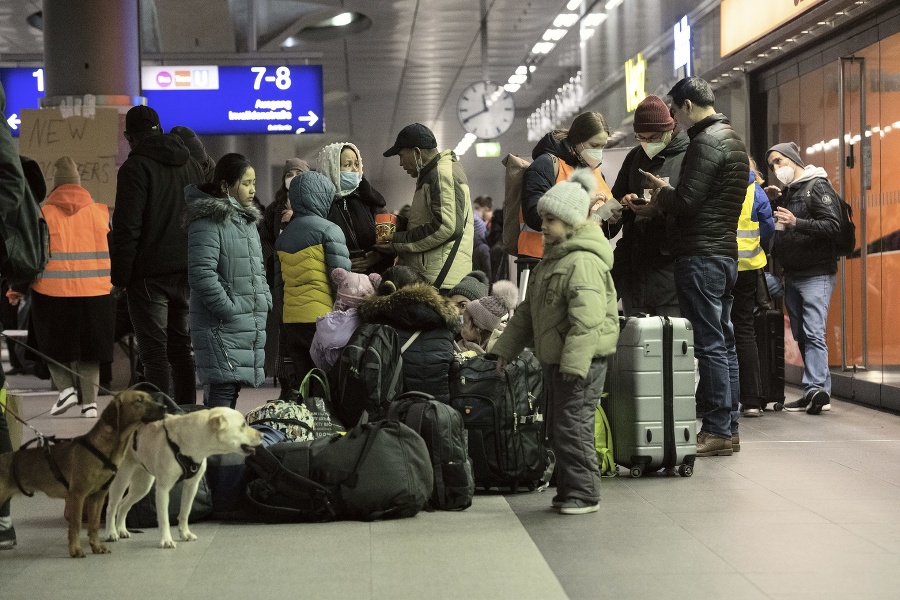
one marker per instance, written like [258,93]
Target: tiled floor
[810,508]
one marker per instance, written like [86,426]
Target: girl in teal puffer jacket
[229,294]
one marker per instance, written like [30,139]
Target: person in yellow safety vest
[72,308]
[755,229]
[555,156]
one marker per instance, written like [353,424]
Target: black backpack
[845,243]
[442,429]
[502,414]
[24,236]
[368,374]
[375,471]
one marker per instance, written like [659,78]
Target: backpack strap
[439,280]
[409,342]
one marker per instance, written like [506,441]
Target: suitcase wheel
[779,406]
[637,471]
[686,470]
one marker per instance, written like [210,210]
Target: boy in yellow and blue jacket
[306,253]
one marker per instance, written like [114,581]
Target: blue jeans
[159,314]
[807,300]
[221,394]
[704,285]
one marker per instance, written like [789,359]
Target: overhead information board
[208,99]
[235,100]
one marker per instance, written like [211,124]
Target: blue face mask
[350,180]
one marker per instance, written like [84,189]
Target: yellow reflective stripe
[748,233]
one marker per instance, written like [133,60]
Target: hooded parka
[419,307]
[354,211]
[229,295]
[569,312]
[308,250]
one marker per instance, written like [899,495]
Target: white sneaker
[89,411]
[67,399]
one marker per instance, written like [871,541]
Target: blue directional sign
[24,88]
[212,100]
[235,100]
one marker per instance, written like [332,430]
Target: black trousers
[297,342]
[742,313]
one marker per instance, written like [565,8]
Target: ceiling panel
[410,65]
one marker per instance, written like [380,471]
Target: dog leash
[55,362]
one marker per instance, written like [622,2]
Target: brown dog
[80,470]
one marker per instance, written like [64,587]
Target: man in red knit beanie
[644,270]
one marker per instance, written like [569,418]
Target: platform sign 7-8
[281,78]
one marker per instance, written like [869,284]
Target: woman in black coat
[355,206]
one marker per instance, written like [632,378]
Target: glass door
[854,180]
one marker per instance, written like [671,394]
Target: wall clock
[486,109]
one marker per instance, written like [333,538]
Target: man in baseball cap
[412,136]
[424,246]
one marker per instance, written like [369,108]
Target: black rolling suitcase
[769,326]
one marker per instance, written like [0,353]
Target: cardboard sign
[94,143]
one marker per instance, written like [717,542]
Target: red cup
[385,226]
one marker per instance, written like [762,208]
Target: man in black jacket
[644,268]
[808,212]
[706,206]
[148,248]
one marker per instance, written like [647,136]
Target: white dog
[167,451]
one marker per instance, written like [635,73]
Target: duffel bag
[376,470]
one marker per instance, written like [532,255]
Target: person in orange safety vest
[72,308]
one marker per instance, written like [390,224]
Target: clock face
[486,109]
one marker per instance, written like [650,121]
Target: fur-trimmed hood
[201,205]
[418,306]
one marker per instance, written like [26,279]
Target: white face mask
[592,157]
[654,148]
[785,174]
[287,182]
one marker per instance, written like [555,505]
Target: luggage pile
[403,452]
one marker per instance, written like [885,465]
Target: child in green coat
[570,318]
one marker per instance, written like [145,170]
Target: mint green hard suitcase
[651,406]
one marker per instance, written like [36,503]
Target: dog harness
[189,467]
[47,443]
[110,465]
